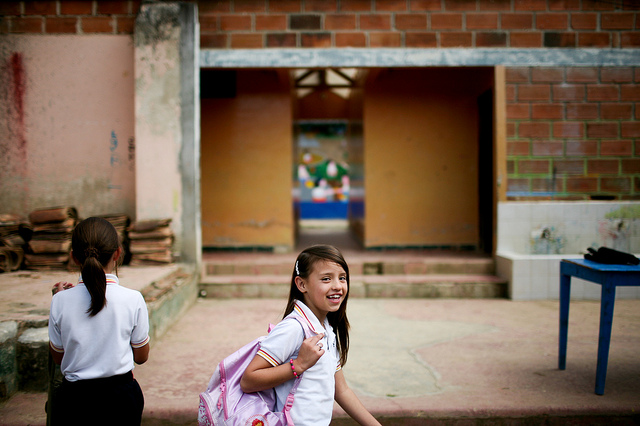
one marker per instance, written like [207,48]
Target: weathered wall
[246,159]
[67,137]
[572,131]
[421,156]
[157,114]
[166,121]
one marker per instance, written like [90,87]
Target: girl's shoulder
[68,293]
[291,322]
[125,290]
[290,327]
[128,296]
[284,340]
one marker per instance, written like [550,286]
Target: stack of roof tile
[50,245]
[150,242]
[14,232]
[121,222]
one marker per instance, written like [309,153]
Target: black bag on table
[611,256]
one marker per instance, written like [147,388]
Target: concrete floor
[452,360]
[412,361]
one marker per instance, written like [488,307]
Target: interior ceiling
[338,80]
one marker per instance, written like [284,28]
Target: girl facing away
[318,295]
[97,331]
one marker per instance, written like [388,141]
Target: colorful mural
[322,171]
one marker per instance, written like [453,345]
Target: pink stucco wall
[67,123]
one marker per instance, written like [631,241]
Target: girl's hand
[62,285]
[310,352]
[261,375]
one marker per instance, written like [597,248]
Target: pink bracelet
[293,368]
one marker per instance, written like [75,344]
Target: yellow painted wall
[246,163]
[420,156]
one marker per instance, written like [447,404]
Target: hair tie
[91,252]
[297,271]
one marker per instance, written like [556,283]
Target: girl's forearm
[260,377]
[354,408]
[350,403]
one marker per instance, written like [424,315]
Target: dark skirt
[116,400]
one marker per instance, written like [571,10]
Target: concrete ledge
[169,297]
[185,418]
[32,354]
[437,290]
[414,57]
[537,277]
[409,266]
[238,287]
[374,286]
[8,365]
[505,420]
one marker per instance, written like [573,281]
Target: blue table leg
[565,296]
[607,303]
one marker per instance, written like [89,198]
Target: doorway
[327,123]
[416,131]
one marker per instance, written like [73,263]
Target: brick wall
[68,17]
[357,23]
[419,23]
[573,132]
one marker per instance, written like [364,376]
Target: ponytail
[94,242]
[95,280]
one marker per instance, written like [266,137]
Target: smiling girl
[318,296]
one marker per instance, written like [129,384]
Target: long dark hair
[93,242]
[304,265]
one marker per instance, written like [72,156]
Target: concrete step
[397,286]
[370,265]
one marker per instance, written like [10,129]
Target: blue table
[609,277]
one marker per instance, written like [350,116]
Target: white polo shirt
[313,403]
[98,346]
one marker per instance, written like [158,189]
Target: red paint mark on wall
[14,190]
[17,99]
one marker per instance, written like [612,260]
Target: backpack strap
[291,397]
[307,332]
[288,405]
[305,327]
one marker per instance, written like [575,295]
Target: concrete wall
[247,157]
[421,156]
[167,121]
[67,137]
[535,236]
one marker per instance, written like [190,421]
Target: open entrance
[327,135]
[418,140]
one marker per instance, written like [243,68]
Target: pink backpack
[224,403]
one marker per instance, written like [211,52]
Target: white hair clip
[297,271]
